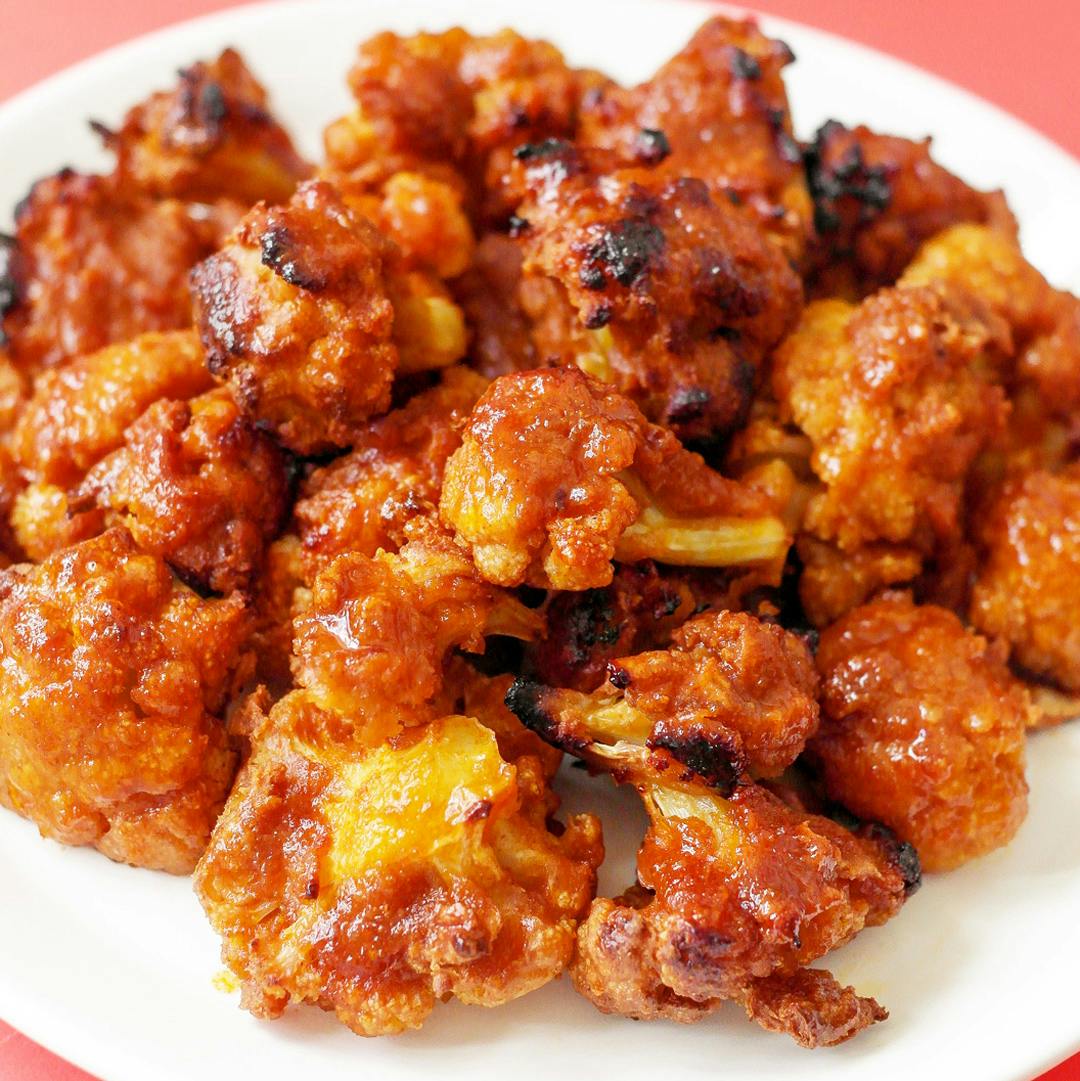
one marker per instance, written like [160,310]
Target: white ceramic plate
[113,968]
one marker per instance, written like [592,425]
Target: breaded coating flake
[375,883]
[113,678]
[1026,587]
[922,729]
[557,474]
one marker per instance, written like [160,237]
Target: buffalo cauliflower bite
[718,110]
[731,695]
[372,640]
[303,314]
[199,486]
[375,882]
[876,199]
[210,137]
[895,398]
[733,897]
[455,107]
[362,501]
[654,285]
[922,729]
[557,474]
[113,678]
[96,262]
[1025,587]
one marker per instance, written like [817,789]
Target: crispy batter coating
[718,111]
[488,292]
[293,312]
[362,501]
[922,729]
[95,262]
[78,413]
[455,106]
[113,679]
[209,137]
[734,892]
[674,296]
[199,486]
[372,641]
[279,593]
[893,398]
[557,474]
[375,882]
[876,199]
[731,695]
[1025,589]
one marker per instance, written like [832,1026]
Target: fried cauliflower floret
[78,413]
[198,485]
[95,262]
[113,679]
[717,110]
[894,399]
[373,638]
[306,316]
[1025,587]
[278,594]
[501,338]
[376,882]
[674,296]
[922,729]
[293,313]
[734,896]
[876,199]
[362,501]
[731,695]
[557,474]
[454,106]
[210,137]
[13,387]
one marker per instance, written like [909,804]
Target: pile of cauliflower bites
[543,416]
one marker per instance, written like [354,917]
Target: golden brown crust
[199,486]
[454,106]
[208,138]
[96,262]
[78,413]
[362,501]
[922,729]
[876,199]
[553,469]
[731,892]
[1025,587]
[897,400]
[722,109]
[113,680]
[293,313]
[374,883]
[653,284]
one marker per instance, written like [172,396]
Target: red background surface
[1020,55]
